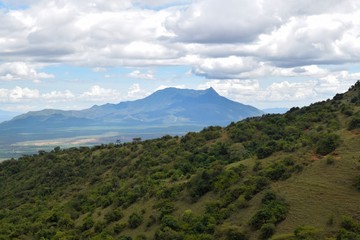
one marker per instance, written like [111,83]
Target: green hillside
[290,176]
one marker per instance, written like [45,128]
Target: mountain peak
[211,90]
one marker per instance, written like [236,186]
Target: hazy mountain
[168,106]
[164,108]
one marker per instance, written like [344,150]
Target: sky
[74,54]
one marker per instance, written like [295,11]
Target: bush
[264,152]
[170,221]
[135,220]
[327,144]
[354,124]
[308,233]
[273,210]
[267,230]
[113,216]
[167,233]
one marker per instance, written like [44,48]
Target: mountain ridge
[173,97]
[171,107]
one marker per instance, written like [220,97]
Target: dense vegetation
[291,176]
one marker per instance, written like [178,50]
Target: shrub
[170,221]
[273,210]
[119,227]
[308,233]
[167,233]
[327,144]
[113,216]
[135,220]
[267,230]
[264,152]
[354,124]
[88,223]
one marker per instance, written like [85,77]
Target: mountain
[168,106]
[6,115]
[291,176]
[165,108]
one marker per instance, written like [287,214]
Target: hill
[167,111]
[290,176]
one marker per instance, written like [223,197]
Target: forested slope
[290,176]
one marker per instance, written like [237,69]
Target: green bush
[135,220]
[167,233]
[308,233]
[327,144]
[113,216]
[354,124]
[267,230]
[273,210]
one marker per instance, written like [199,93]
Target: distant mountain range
[165,108]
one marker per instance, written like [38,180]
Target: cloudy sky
[74,54]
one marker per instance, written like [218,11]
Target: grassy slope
[37,187]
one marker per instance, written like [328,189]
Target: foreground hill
[290,176]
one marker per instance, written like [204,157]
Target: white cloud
[238,45]
[282,93]
[142,75]
[228,67]
[21,71]
[316,39]
[135,92]
[118,33]
[97,93]
[56,96]
[18,94]
[213,21]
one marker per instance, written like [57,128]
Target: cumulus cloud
[236,44]
[97,93]
[311,40]
[56,96]
[18,94]
[123,33]
[283,93]
[21,71]
[135,92]
[214,21]
[228,67]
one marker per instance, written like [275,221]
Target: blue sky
[73,54]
